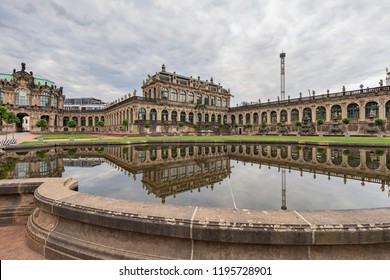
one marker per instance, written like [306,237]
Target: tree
[125,122]
[71,124]
[42,123]
[346,121]
[8,116]
[319,123]
[100,123]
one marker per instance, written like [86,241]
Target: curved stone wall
[71,225]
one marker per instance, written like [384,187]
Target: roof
[37,79]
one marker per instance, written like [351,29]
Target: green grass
[65,136]
[341,140]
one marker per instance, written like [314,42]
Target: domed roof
[38,80]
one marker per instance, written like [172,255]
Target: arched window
[255,118]
[240,119]
[164,93]
[273,116]
[294,115]
[224,119]
[90,121]
[264,117]
[321,113]
[206,118]
[96,120]
[372,108]
[353,111]
[199,117]
[283,116]
[142,114]
[174,95]
[191,97]
[44,99]
[76,119]
[182,116]
[153,115]
[387,109]
[65,121]
[55,104]
[224,103]
[307,113]
[183,96]
[206,100]
[212,101]
[336,109]
[22,97]
[198,99]
[247,118]
[191,117]
[83,122]
[174,116]
[233,119]
[219,119]
[219,102]
[213,118]
[164,115]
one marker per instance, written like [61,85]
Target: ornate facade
[174,104]
[31,98]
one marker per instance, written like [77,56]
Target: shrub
[298,123]
[279,124]
[146,125]
[346,121]
[320,122]
[181,124]
[379,122]
[263,125]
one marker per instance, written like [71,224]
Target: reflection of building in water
[84,162]
[31,164]
[356,164]
[169,170]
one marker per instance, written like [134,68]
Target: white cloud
[106,49]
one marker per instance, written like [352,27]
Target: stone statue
[381,83]
[23,66]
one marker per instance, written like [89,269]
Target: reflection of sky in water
[249,186]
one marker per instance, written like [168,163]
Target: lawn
[65,136]
[273,138]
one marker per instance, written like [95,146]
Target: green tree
[42,123]
[125,122]
[71,124]
[346,121]
[8,116]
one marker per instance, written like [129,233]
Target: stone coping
[284,227]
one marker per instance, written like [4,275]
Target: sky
[105,49]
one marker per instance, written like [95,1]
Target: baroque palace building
[175,104]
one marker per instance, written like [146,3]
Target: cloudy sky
[105,49]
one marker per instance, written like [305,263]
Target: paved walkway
[13,238]
[13,244]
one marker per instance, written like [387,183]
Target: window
[206,100]
[182,116]
[191,117]
[307,113]
[1,97]
[212,101]
[45,99]
[164,115]
[336,110]
[247,118]
[174,95]
[264,117]
[372,108]
[273,116]
[90,122]
[174,116]
[283,116]
[191,97]
[218,102]
[22,97]
[224,101]
[198,99]
[164,93]
[294,115]
[183,96]
[142,114]
[153,115]
[321,113]
[353,111]
[83,122]
[387,109]
[55,105]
